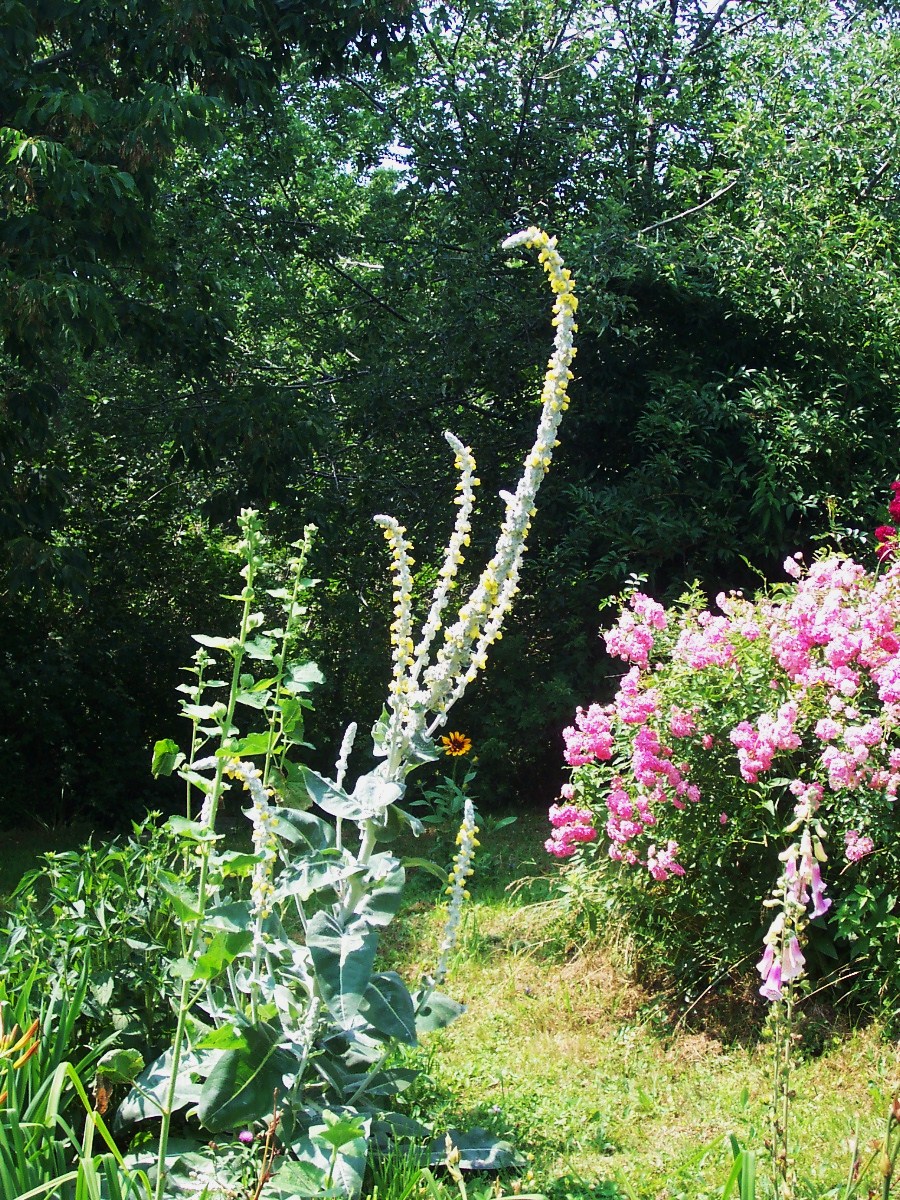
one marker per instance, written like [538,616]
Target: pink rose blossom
[857,847]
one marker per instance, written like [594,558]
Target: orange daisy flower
[456,744]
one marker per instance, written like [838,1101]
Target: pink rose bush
[743,741]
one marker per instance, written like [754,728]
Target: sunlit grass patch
[593,1075]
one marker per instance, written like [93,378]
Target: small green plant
[48,1123]
[97,910]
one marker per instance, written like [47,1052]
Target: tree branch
[688,212]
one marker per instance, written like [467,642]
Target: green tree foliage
[323,299]
[96,101]
[735,393]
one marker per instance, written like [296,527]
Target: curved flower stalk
[422,692]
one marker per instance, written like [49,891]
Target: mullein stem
[184,1000]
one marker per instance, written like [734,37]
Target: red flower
[894,507]
[895,486]
[884,533]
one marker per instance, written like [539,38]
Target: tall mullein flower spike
[457,880]
[422,694]
[401,627]
[340,767]
[480,619]
[453,558]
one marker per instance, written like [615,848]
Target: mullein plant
[310,1021]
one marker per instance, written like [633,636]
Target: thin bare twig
[689,212]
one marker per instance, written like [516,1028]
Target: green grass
[594,1077]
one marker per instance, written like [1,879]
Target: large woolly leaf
[245,1082]
[148,1097]
[384,882]
[478,1150]
[342,959]
[435,1011]
[330,798]
[388,1007]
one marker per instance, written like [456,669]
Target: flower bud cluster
[265,841]
[453,557]
[571,826]
[401,627]
[343,758]
[460,873]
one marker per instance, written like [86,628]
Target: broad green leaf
[232,918]
[300,1180]
[302,677]
[306,876]
[388,1007]
[292,786]
[195,831]
[244,1082]
[425,864]
[181,968]
[374,794]
[296,825]
[204,712]
[350,1166]
[148,1096]
[338,1130]
[342,960]
[166,757]
[379,734]
[253,743]
[259,648]
[422,750]
[120,1066]
[394,821]
[217,643]
[478,1150]
[383,882]
[436,1012]
[329,797]
[291,714]
[391,1081]
[233,862]
[228,1037]
[200,782]
[102,986]
[183,900]
[222,950]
